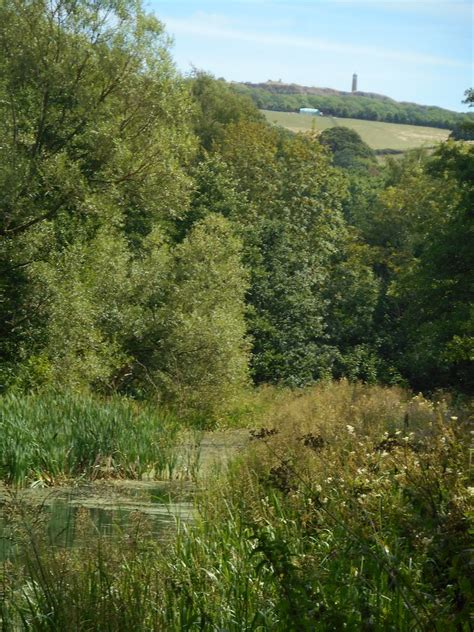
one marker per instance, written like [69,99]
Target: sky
[410,50]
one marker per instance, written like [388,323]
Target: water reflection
[77,517]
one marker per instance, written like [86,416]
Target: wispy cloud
[214,26]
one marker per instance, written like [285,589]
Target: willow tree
[94,135]
[201,351]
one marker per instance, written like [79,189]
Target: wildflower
[350,429]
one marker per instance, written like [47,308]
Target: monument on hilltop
[354,82]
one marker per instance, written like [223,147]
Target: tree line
[284,98]
[159,239]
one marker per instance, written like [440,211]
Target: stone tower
[354,82]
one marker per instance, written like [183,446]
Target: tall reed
[46,436]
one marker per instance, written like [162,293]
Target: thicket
[159,240]
[286,98]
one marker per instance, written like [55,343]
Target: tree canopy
[160,239]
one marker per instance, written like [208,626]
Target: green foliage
[215,191]
[218,104]
[438,285]
[295,246]
[153,229]
[372,107]
[159,239]
[250,151]
[87,113]
[300,245]
[465,130]
[202,356]
[342,517]
[416,223]
[348,149]
[94,136]
[353,513]
[84,296]
[52,436]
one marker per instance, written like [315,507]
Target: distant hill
[290,97]
[382,137]
[279,87]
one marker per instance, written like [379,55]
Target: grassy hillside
[375,133]
[368,106]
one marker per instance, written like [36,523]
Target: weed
[49,436]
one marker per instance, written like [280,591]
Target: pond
[77,516]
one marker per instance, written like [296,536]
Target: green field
[375,133]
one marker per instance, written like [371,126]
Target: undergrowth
[351,510]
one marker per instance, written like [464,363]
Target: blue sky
[411,50]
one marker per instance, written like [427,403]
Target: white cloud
[218,27]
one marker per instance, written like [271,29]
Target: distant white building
[312,111]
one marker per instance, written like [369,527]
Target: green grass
[47,437]
[376,134]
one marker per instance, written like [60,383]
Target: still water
[77,516]
[74,517]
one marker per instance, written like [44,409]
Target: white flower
[350,429]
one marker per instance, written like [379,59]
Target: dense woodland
[159,239]
[361,105]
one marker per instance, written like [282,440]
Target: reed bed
[47,437]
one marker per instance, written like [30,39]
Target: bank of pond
[342,506]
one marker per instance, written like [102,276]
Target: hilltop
[290,97]
[294,88]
